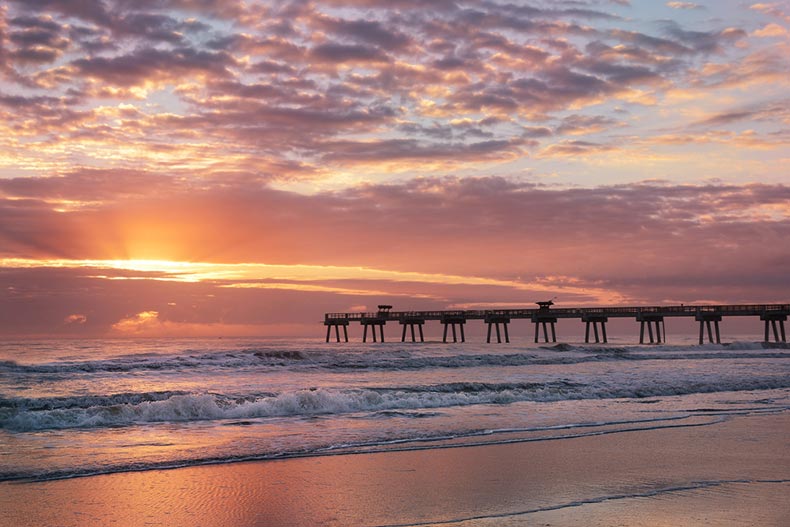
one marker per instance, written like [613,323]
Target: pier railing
[574,312]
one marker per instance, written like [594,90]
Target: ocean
[71,408]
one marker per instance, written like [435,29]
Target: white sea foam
[128,409]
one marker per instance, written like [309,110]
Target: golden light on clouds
[433,154]
[252,275]
[150,324]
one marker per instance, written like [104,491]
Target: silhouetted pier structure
[543,316]
[649,317]
[450,319]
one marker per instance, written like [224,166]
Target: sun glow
[270,276]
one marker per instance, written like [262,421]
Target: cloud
[76,318]
[575,148]
[774,9]
[771,30]
[653,43]
[705,41]
[90,10]
[90,185]
[335,53]
[428,242]
[684,5]
[372,32]
[277,89]
[145,321]
[152,27]
[36,39]
[409,149]
[150,324]
[581,124]
[770,112]
[347,227]
[152,64]
[401,136]
[726,118]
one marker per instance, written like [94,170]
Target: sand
[732,472]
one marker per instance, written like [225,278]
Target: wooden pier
[544,316]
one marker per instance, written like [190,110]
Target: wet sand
[719,472]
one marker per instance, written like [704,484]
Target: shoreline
[497,437]
[641,474]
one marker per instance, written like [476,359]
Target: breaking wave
[23,415]
[397,360]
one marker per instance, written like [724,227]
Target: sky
[239,168]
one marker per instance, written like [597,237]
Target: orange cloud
[771,30]
[144,322]
[150,324]
[772,9]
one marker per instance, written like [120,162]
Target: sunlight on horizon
[254,275]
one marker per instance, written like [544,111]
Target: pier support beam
[705,320]
[411,322]
[777,322]
[336,324]
[495,320]
[372,324]
[652,321]
[595,320]
[545,321]
[450,322]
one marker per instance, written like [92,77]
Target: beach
[712,471]
[206,432]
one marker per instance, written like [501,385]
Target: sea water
[72,408]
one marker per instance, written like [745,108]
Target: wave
[396,359]
[24,415]
[219,359]
[86,401]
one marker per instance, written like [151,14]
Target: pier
[544,317]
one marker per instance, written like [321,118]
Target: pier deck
[650,317]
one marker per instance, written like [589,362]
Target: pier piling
[372,324]
[777,325]
[496,320]
[411,322]
[705,320]
[450,322]
[595,320]
[650,321]
[336,324]
[542,320]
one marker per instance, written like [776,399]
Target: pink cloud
[609,228]
[76,318]
[322,133]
